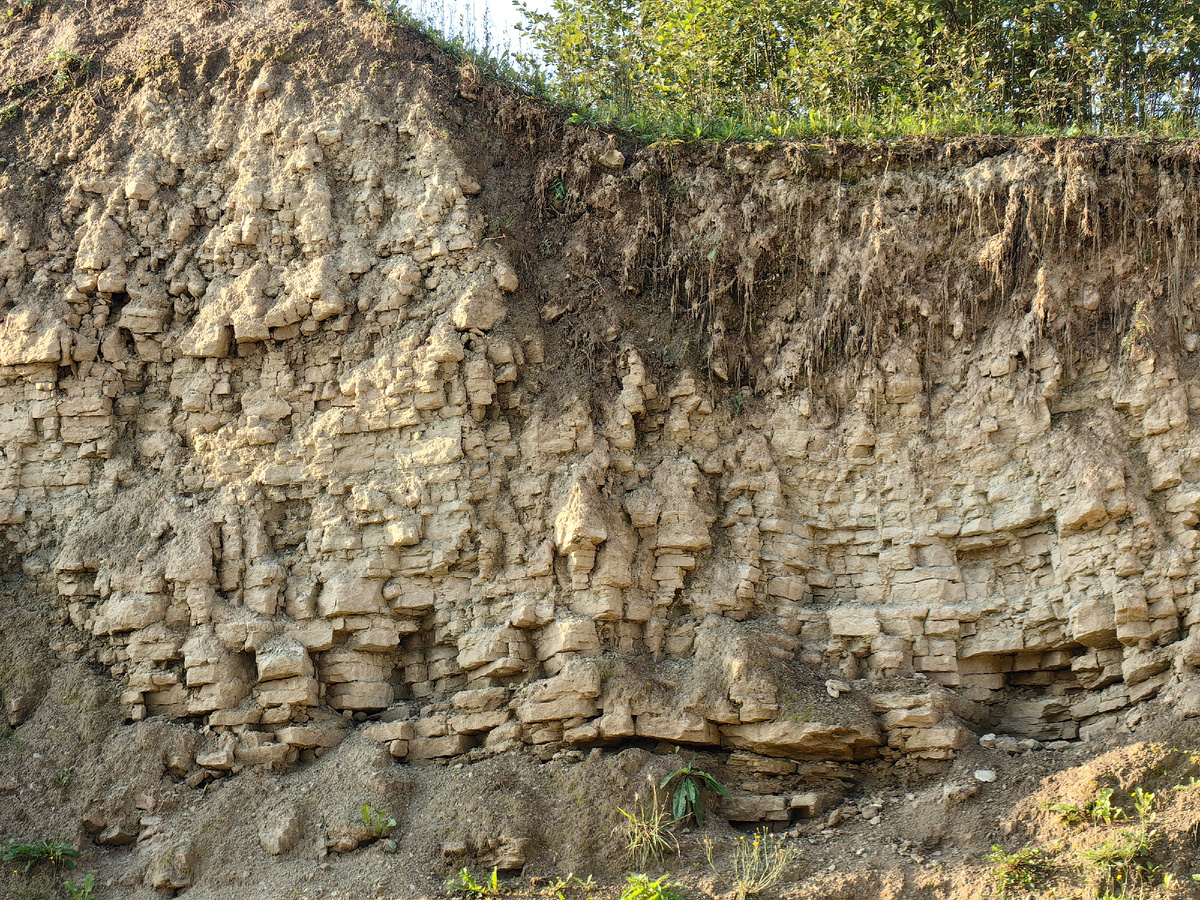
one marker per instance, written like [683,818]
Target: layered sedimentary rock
[299,443]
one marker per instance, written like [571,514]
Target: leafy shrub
[778,64]
[1125,862]
[57,853]
[65,63]
[686,801]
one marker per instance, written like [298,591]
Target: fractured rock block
[282,657]
[390,731]
[553,710]
[754,808]
[260,753]
[348,594]
[678,728]
[299,690]
[420,749]
[567,635]
[130,612]
[1093,622]
[307,737]
[361,695]
[479,308]
[804,740]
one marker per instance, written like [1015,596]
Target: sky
[491,22]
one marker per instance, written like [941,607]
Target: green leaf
[679,804]
[713,785]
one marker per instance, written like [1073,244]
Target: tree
[1103,65]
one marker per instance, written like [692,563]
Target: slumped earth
[378,446]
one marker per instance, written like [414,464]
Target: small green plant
[561,885]
[1121,863]
[1021,870]
[82,891]
[57,853]
[21,8]
[647,832]
[640,887]
[377,820]
[466,884]
[1143,805]
[759,862]
[65,62]
[62,779]
[686,801]
[8,112]
[1125,863]
[1101,809]
[1068,813]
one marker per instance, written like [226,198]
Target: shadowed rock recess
[342,391]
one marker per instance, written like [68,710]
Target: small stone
[506,278]
[1008,745]
[280,832]
[956,792]
[988,741]
[118,835]
[835,688]
[987,776]
[612,159]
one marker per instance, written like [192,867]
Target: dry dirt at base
[75,754]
